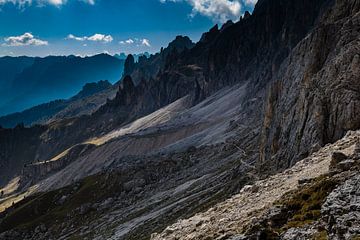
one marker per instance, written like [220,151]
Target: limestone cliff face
[314,99]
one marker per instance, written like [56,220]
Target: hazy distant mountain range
[28,81]
[89,99]
[123,56]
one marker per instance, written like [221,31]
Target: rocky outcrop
[147,68]
[90,89]
[272,208]
[341,210]
[36,171]
[129,65]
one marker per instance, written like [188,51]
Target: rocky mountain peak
[129,65]
[127,83]
[180,43]
[209,36]
[226,25]
[246,15]
[92,88]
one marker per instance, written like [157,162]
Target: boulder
[336,158]
[304,181]
[346,165]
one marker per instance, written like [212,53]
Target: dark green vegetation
[60,205]
[297,209]
[304,206]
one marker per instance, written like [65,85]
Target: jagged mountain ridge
[147,68]
[57,136]
[123,56]
[278,77]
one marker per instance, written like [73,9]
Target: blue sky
[87,27]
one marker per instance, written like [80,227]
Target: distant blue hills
[30,81]
[123,56]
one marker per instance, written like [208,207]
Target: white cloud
[91,2]
[129,41]
[70,36]
[218,10]
[143,42]
[250,2]
[55,2]
[95,38]
[23,3]
[26,39]
[101,38]
[16,2]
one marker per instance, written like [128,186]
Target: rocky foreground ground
[318,198]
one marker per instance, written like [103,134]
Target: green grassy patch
[299,208]
[321,236]
[304,206]
[43,208]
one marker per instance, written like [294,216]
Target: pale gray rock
[341,210]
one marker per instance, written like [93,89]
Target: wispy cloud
[95,38]
[138,42]
[250,2]
[129,41]
[145,42]
[218,10]
[27,39]
[24,3]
